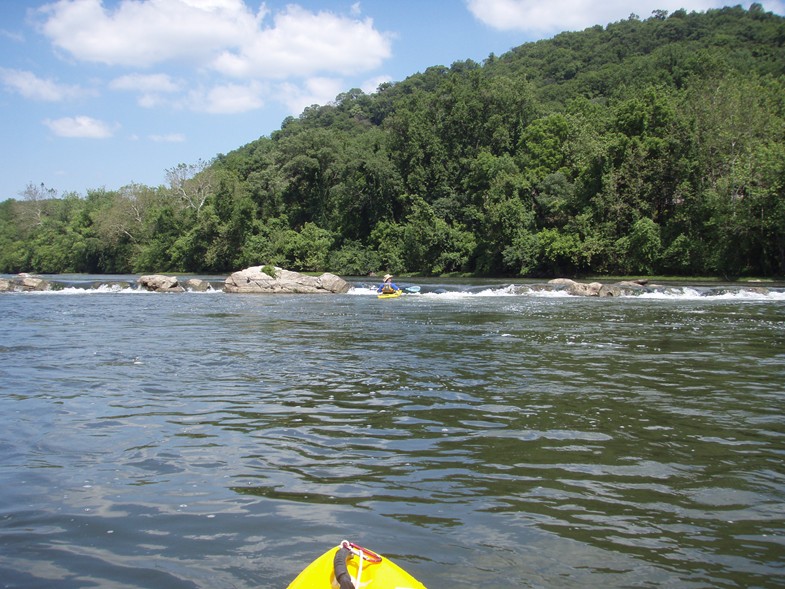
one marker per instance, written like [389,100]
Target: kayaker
[388,286]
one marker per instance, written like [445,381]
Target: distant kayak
[390,295]
[348,566]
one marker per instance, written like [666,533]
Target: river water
[480,436]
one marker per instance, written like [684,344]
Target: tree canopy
[646,146]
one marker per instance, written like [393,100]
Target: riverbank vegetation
[647,146]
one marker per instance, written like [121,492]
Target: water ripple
[192,441]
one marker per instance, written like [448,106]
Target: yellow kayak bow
[348,566]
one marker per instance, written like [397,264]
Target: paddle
[412,289]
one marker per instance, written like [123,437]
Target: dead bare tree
[191,183]
[38,197]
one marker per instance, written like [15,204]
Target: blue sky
[104,93]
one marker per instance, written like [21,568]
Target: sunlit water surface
[480,438]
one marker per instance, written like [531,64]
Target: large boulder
[24,282]
[624,288]
[255,280]
[579,289]
[597,289]
[197,285]
[160,283]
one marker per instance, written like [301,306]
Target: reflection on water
[214,440]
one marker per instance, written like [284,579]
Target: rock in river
[24,283]
[254,280]
[160,283]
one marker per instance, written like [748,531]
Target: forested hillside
[647,146]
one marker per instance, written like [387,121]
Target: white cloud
[372,85]
[558,15]
[169,138]
[146,83]
[80,127]
[31,86]
[151,87]
[222,34]
[304,43]
[228,98]
[315,91]
[218,40]
[141,33]
[12,35]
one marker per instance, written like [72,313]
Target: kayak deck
[384,574]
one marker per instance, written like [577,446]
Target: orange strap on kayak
[363,553]
[346,551]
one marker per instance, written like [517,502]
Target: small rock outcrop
[197,285]
[578,289]
[597,289]
[160,283]
[255,280]
[24,283]
[624,288]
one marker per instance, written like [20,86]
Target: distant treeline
[647,146]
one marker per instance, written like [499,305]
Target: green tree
[643,246]
[388,239]
[502,200]
[309,249]
[431,245]
[369,189]
[267,243]
[354,259]
[561,252]
[311,162]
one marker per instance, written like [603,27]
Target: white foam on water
[104,289]
[676,293]
[687,293]
[362,291]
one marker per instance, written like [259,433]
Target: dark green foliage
[354,259]
[647,146]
